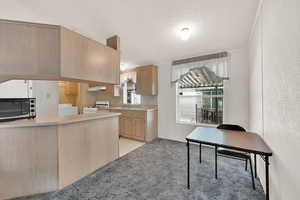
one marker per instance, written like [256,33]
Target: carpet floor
[157,171]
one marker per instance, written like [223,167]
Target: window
[199,88]
[202,105]
[129,93]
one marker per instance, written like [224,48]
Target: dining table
[247,142]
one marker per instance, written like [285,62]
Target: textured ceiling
[148,29]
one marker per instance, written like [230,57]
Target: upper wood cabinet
[29,51]
[147,80]
[50,52]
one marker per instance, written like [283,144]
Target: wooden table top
[244,141]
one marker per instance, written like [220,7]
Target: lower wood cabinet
[84,147]
[41,159]
[139,129]
[126,126]
[131,127]
[138,125]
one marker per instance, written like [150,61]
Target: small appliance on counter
[67,109]
[17,108]
[87,110]
[102,104]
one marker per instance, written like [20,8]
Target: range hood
[97,88]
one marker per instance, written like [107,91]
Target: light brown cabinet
[40,159]
[139,128]
[138,125]
[85,147]
[126,126]
[132,127]
[29,50]
[147,80]
[93,61]
[50,52]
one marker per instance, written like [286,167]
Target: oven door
[14,108]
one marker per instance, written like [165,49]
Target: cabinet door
[126,127]
[139,128]
[29,50]
[144,82]
[147,80]
[122,126]
[86,59]
[73,54]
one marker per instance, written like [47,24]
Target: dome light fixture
[185,33]
[123,66]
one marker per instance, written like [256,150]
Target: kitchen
[70,120]
[135,98]
[143,100]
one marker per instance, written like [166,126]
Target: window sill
[198,124]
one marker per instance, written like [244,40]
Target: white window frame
[200,124]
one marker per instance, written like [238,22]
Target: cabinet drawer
[132,114]
[139,114]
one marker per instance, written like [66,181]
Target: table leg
[255,169]
[267,177]
[216,162]
[188,164]
[200,152]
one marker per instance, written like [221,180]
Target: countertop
[57,120]
[133,108]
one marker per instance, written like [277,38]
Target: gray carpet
[157,171]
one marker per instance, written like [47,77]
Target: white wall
[149,100]
[45,92]
[15,89]
[236,90]
[275,94]
[235,105]
[47,98]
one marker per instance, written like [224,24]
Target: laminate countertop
[133,108]
[57,120]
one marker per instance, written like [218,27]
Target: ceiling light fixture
[122,67]
[185,33]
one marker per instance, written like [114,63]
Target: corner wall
[235,98]
[46,94]
[274,97]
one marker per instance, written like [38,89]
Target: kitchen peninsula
[39,156]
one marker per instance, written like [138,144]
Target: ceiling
[148,29]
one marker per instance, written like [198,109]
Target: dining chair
[235,154]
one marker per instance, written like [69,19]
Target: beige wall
[275,94]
